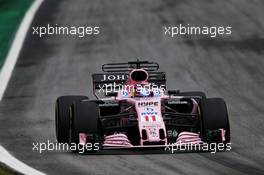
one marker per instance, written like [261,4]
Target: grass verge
[7,171]
[11,14]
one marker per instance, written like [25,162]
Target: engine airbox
[139,75]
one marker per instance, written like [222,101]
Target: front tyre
[84,118]
[215,121]
[62,120]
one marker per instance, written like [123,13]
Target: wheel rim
[70,128]
[57,120]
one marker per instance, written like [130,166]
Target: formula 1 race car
[134,109]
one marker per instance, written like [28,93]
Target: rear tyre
[84,118]
[62,120]
[215,117]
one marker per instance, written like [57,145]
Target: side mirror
[173,92]
[111,94]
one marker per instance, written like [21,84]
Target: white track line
[5,75]
[15,164]
[16,46]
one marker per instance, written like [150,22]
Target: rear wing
[116,79]
[99,80]
[126,67]
[116,74]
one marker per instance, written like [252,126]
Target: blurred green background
[11,14]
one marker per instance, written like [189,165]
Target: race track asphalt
[230,67]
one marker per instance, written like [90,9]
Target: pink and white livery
[134,109]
